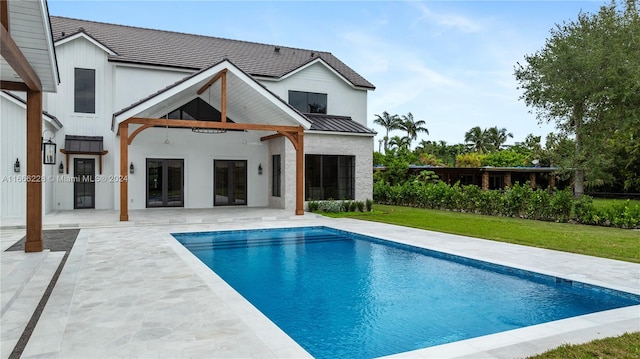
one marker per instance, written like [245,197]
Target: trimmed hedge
[519,201]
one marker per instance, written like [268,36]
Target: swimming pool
[339,294]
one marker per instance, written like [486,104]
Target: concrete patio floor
[128,289]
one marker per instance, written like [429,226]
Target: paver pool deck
[129,289]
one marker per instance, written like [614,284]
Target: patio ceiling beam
[13,86]
[222,74]
[210,124]
[137,131]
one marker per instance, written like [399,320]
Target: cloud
[458,22]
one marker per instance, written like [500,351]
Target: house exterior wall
[133,83]
[119,85]
[342,98]
[350,145]
[13,185]
[198,152]
[13,131]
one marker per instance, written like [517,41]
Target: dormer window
[85,91]
[308,102]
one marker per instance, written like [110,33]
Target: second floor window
[308,102]
[85,91]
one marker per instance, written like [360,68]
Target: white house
[147,118]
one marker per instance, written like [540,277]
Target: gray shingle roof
[331,123]
[165,48]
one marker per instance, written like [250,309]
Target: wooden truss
[295,134]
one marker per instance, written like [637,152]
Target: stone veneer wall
[359,146]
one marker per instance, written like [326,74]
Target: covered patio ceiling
[247,101]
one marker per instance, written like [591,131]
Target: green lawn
[613,243]
[626,346]
[606,202]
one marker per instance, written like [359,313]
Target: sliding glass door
[230,183]
[165,183]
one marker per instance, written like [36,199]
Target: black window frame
[84,92]
[305,101]
[276,175]
[330,177]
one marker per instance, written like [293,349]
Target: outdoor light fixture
[260,169]
[61,168]
[16,166]
[131,168]
[48,150]
[209,131]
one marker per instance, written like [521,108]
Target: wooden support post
[485,180]
[532,180]
[124,178]
[552,181]
[300,173]
[33,241]
[223,96]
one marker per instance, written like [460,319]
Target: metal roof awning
[83,145]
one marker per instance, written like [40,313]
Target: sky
[449,63]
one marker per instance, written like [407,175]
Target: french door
[165,182]
[230,182]
[84,186]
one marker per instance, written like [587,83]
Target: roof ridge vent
[276,49]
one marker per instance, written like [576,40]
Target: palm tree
[498,136]
[389,122]
[400,142]
[412,127]
[478,139]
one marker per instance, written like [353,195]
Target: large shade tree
[389,122]
[586,79]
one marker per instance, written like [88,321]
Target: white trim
[87,37]
[119,63]
[50,46]
[193,81]
[23,105]
[316,132]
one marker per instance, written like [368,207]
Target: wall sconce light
[260,169]
[48,150]
[16,166]
[61,168]
[131,168]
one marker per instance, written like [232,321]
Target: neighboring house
[274,125]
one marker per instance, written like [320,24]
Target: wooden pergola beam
[4,13]
[295,134]
[209,124]
[13,86]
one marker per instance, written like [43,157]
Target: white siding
[199,151]
[342,99]
[133,83]
[13,132]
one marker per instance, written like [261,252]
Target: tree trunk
[578,113]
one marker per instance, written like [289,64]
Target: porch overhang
[28,64]
[234,94]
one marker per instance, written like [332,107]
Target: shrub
[369,204]
[360,206]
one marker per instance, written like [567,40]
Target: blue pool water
[343,295]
